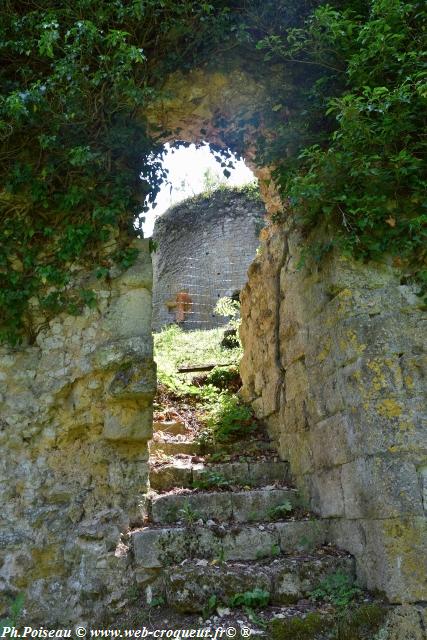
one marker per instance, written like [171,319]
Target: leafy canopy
[74,76]
[348,92]
[352,151]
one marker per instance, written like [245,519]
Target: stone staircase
[217,529]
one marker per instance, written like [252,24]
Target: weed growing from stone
[211,480]
[254,599]
[338,589]
[188,514]
[281,511]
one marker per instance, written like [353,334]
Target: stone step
[182,473]
[188,587]
[161,547]
[239,506]
[174,448]
[173,427]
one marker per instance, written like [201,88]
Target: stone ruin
[204,248]
[334,363]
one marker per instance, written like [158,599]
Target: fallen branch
[203,367]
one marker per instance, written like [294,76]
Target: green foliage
[281,511]
[352,155]
[16,607]
[210,606]
[230,309]
[76,161]
[253,599]
[211,480]
[338,589]
[228,418]
[221,377]
[360,623]
[157,602]
[173,348]
[188,514]
[347,108]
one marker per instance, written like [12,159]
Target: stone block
[326,398]
[249,543]
[296,578]
[296,381]
[174,427]
[189,587]
[327,499]
[128,423]
[330,441]
[256,505]
[140,275]
[135,380]
[264,473]
[167,509]
[395,558]
[302,535]
[389,425]
[130,314]
[405,623]
[349,535]
[296,448]
[146,549]
[381,487]
[295,415]
[114,353]
[170,476]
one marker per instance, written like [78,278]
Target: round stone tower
[204,248]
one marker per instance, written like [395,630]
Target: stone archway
[333,362]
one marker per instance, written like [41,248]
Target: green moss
[359,623]
[306,628]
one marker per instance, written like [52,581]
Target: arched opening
[205,225]
[203,246]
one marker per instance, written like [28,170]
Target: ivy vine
[347,105]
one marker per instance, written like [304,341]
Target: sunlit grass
[174,348]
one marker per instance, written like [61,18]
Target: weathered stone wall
[75,418]
[204,247]
[335,361]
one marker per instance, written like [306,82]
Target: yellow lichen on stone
[48,562]
[389,408]
[352,338]
[325,350]
[409,382]
[379,381]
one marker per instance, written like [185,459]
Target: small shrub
[253,599]
[338,589]
[210,606]
[157,602]
[282,510]
[229,419]
[222,377]
[16,607]
[211,479]
[188,514]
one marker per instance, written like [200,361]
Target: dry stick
[203,367]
